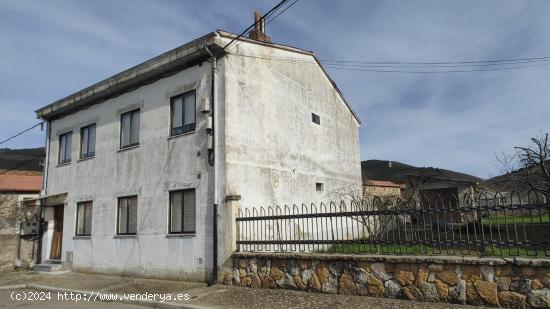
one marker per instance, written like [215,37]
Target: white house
[137,164]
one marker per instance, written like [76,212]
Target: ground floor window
[84,218]
[182,211]
[127,215]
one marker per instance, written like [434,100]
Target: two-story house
[137,164]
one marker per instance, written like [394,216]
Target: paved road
[7,302]
[217,296]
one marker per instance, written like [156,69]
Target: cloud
[456,121]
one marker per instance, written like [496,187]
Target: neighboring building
[135,163]
[15,188]
[383,188]
[437,192]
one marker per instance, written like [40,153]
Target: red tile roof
[21,181]
[384,183]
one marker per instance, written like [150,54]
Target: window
[182,109]
[84,219]
[319,186]
[127,215]
[87,141]
[182,211]
[65,142]
[129,129]
[315,118]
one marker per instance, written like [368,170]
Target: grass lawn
[491,250]
[532,219]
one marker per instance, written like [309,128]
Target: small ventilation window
[319,186]
[315,118]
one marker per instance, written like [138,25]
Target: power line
[406,64]
[547,58]
[436,72]
[26,130]
[255,23]
[265,17]
[288,7]
[478,66]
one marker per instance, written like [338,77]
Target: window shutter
[88,219]
[134,128]
[125,127]
[177,113]
[68,147]
[189,210]
[62,146]
[176,207]
[189,109]
[84,142]
[122,215]
[91,140]
[132,215]
[80,219]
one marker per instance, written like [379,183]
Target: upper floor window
[315,118]
[182,109]
[127,215]
[84,218]
[129,129]
[65,142]
[87,141]
[182,211]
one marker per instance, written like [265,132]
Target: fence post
[227,240]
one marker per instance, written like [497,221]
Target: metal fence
[514,224]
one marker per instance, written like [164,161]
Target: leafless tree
[375,225]
[528,167]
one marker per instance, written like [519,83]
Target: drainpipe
[212,155]
[45,190]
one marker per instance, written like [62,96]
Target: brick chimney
[258,33]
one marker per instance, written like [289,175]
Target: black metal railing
[513,224]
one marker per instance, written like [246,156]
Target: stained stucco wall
[274,153]
[160,164]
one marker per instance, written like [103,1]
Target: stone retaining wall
[502,282]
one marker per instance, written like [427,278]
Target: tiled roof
[384,183]
[21,181]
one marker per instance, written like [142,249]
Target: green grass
[501,219]
[491,250]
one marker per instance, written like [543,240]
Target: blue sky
[50,49]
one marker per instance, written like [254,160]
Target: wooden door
[57,238]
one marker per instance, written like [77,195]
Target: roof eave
[163,65]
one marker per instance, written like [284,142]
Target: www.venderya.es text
[97,296]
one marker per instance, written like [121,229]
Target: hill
[30,159]
[396,171]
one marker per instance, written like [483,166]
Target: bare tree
[528,167]
[375,225]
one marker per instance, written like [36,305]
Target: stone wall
[506,282]
[14,253]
